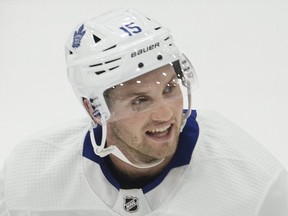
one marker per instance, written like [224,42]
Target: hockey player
[143,154]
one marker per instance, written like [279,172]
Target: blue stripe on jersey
[187,141]
[88,152]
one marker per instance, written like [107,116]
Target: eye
[140,103]
[139,100]
[170,87]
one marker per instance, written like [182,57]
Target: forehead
[146,82]
[159,75]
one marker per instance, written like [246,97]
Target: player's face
[147,115]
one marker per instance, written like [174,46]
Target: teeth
[162,129]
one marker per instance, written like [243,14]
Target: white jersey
[217,170]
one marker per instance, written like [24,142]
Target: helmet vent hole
[96,39]
[157,28]
[109,48]
[112,60]
[70,52]
[166,38]
[113,68]
[159,57]
[140,65]
[95,65]
[100,72]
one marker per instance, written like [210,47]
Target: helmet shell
[113,48]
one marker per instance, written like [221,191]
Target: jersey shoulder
[221,139]
[229,170]
[46,168]
[65,135]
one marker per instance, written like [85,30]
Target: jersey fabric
[217,170]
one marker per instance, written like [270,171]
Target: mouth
[160,132]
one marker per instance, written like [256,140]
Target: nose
[162,113]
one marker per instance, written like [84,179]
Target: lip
[160,136]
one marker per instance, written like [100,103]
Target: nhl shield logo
[131,204]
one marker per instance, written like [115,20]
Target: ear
[89,108]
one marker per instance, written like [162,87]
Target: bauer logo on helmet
[146,49]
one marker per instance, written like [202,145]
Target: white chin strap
[102,152]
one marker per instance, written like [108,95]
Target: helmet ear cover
[92,110]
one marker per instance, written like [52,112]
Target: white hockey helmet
[116,47]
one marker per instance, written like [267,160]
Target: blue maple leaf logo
[78,36]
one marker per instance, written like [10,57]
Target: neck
[129,176]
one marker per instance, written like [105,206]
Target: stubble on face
[134,136]
[135,145]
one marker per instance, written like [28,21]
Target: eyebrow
[139,93]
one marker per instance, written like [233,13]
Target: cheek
[127,126]
[124,133]
[178,109]
[180,102]
[177,104]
